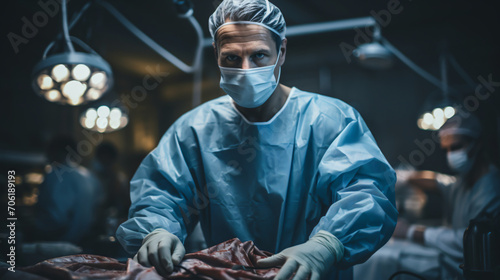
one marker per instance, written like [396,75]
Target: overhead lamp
[71,78]
[434,119]
[437,115]
[373,55]
[75,77]
[104,118]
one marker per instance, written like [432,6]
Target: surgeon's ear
[216,54]
[283,52]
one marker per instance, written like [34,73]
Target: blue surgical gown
[314,166]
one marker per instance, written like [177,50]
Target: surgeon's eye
[259,56]
[456,147]
[232,58]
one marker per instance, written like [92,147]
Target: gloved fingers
[162,270]
[287,270]
[153,257]
[302,273]
[142,256]
[165,255]
[315,276]
[275,260]
[179,252]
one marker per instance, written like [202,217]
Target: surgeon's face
[452,143]
[247,46]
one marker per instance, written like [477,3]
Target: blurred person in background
[68,196]
[114,181]
[115,188]
[436,252]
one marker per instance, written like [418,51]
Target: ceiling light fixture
[76,78]
[71,78]
[443,109]
[373,55]
[104,118]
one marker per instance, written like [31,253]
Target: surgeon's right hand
[162,250]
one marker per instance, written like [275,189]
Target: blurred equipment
[482,248]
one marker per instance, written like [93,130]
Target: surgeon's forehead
[450,140]
[244,33]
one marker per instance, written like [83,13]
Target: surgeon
[298,173]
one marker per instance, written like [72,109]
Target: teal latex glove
[162,250]
[311,259]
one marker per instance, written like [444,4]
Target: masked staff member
[298,173]
[474,191]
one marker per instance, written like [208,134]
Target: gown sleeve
[361,183]
[163,193]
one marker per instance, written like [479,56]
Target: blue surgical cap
[468,125]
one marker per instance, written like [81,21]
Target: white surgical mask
[249,88]
[459,160]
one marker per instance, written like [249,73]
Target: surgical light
[374,56]
[80,77]
[449,112]
[71,77]
[81,72]
[104,118]
[53,95]
[60,73]
[436,118]
[45,82]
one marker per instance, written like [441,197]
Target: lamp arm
[65,26]
[148,41]
[73,22]
[330,26]
[424,74]
[444,75]
[461,71]
[198,62]
[83,45]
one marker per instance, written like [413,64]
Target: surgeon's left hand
[312,259]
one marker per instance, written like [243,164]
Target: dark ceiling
[389,100]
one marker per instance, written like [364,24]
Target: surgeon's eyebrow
[233,52]
[227,53]
[266,51]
